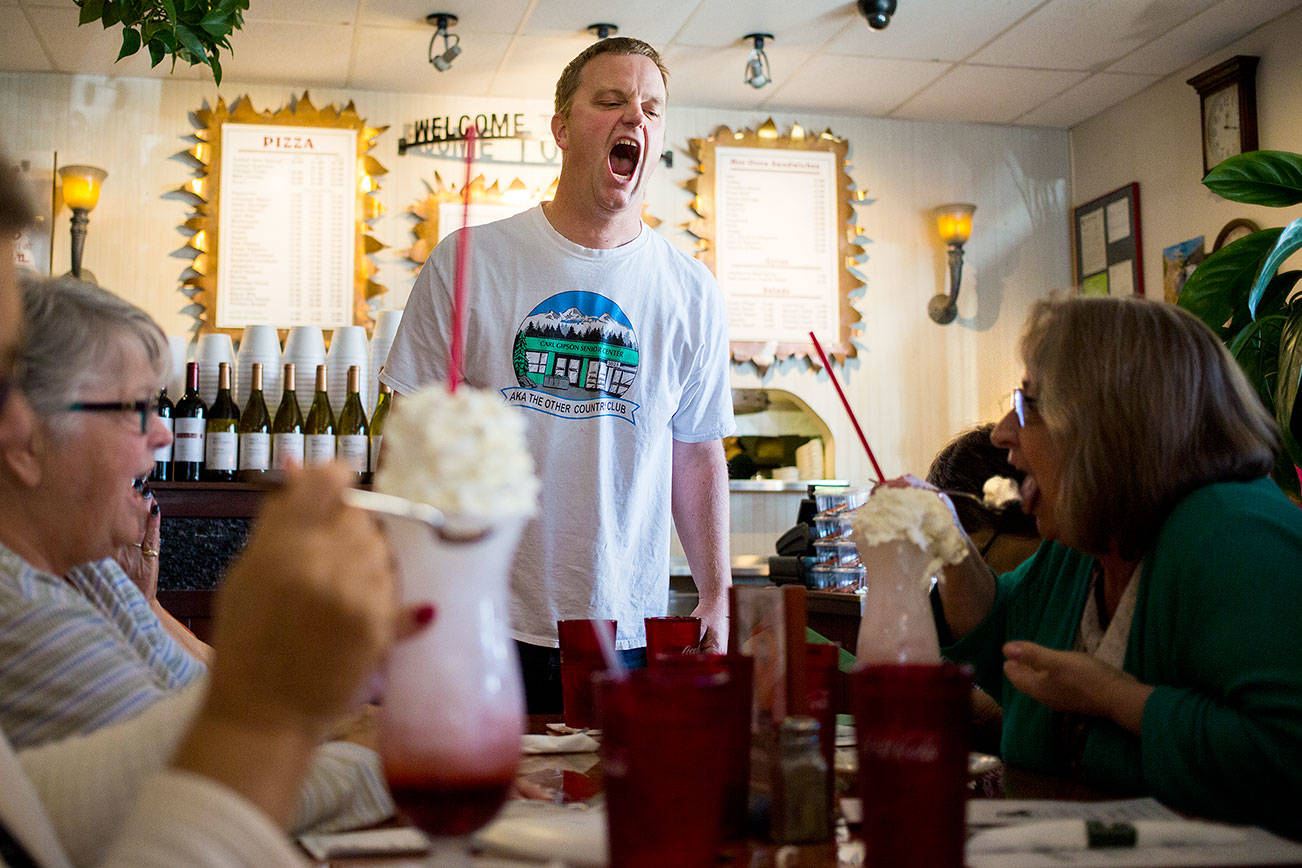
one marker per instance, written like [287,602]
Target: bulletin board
[1107,251]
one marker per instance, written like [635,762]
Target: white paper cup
[305,347]
[347,348]
[213,349]
[178,344]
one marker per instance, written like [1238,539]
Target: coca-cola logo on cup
[912,748]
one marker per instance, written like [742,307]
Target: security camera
[878,12]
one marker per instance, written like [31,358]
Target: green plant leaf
[215,65]
[1271,178]
[1289,241]
[1256,349]
[190,42]
[1219,286]
[130,43]
[1289,377]
[156,52]
[112,15]
[91,10]
[169,7]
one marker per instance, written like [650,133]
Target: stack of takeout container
[836,565]
[386,327]
[213,349]
[305,349]
[347,349]
[259,343]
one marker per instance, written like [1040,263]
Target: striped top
[80,652]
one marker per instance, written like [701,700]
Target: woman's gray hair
[1143,404]
[79,333]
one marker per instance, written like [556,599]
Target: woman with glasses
[80,647]
[1151,645]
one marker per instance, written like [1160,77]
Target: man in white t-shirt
[615,346]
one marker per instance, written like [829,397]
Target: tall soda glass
[452,716]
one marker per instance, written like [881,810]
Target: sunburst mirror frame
[481,192]
[703,227]
[202,284]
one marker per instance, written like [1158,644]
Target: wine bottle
[287,429]
[319,430]
[254,431]
[163,454]
[187,451]
[221,440]
[381,413]
[352,434]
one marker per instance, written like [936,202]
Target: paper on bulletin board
[1095,284]
[1093,243]
[1121,280]
[1118,220]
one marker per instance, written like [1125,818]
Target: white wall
[1154,138]
[914,384]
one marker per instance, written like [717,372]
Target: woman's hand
[140,560]
[1076,682]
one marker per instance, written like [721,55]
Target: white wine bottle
[352,434]
[187,451]
[381,413]
[287,429]
[254,431]
[221,440]
[319,430]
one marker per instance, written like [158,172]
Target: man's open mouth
[624,157]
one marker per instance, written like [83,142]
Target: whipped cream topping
[463,453]
[1000,492]
[914,514]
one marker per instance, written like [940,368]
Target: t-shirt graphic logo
[575,356]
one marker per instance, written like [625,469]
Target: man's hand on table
[714,628]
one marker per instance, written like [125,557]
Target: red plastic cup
[736,784]
[671,635]
[581,656]
[821,675]
[913,724]
[666,739]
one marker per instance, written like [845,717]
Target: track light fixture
[451,44]
[757,64]
[878,12]
[603,30]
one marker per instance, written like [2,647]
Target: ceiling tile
[858,85]
[535,62]
[303,11]
[807,24]
[1202,35]
[91,50]
[1086,34]
[19,50]
[714,78]
[655,23]
[305,54]
[398,60]
[502,17]
[933,29]
[1085,100]
[988,94]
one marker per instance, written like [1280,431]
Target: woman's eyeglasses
[144,408]
[1021,404]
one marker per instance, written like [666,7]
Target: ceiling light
[878,12]
[451,44]
[757,64]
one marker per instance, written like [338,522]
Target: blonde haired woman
[1151,644]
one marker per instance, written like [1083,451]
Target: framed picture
[1178,262]
[1107,254]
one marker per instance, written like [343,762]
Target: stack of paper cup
[386,326]
[260,343]
[305,348]
[214,348]
[347,348]
[178,344]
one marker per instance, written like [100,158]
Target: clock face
[1221,136]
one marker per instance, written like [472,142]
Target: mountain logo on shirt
[575,356]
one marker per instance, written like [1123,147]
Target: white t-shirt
[612,354]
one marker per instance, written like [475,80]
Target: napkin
[575,743]
[402,841]
[1093,834]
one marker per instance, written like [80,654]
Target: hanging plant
[189,30]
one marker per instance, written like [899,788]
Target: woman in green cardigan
[1153,644]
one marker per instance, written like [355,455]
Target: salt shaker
[800,813]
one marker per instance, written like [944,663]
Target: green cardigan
[1217,631]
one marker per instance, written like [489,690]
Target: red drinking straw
[459,279]
[881,477]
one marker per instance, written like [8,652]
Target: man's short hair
[568,84]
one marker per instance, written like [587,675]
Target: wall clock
[1228,92]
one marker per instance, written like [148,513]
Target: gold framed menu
[280,234]
[776,227]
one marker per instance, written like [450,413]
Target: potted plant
[1238,292]
[188,30]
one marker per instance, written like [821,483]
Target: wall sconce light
[757,64]
[81,185]
[954,221]
[451,44]
[602,31]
